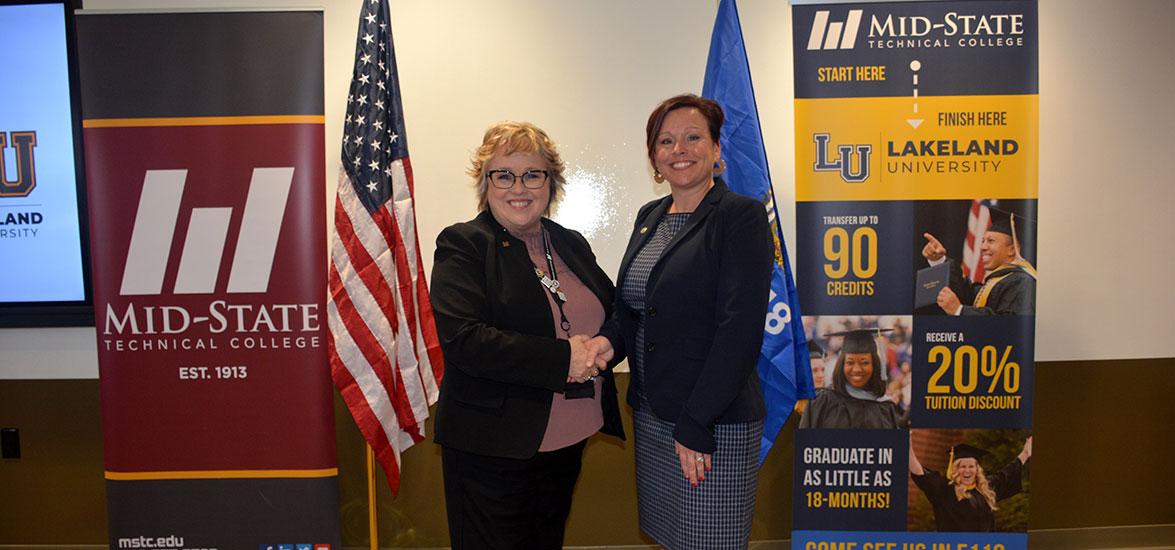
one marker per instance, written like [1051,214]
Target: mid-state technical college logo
[840,35]
[844,161]
[159,208]
[25,170]
[888,31]
[189,321]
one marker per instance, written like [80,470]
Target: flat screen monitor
[43,230]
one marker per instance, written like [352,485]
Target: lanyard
[552,285]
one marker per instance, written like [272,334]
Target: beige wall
[595,69]
[1107,128]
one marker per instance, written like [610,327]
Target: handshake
[589,356]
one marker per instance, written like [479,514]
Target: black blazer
[503,361]
[705,308]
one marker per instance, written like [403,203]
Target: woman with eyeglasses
[515,297]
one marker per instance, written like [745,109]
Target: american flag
[384,353]
[978,220]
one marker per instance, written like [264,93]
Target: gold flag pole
[372,516]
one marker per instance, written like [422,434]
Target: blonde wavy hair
[981,485]
[507,138]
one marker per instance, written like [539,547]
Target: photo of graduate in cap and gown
[966,497]
[857,397]
[1008,286]
[816,357]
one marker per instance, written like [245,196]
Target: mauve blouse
[571,420]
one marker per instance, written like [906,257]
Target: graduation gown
[1008,290]
[971,514]
[833,409]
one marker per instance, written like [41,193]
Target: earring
[657,177]
[719,167]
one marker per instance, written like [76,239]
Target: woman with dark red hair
[692,299]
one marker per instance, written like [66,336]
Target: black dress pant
[505,503]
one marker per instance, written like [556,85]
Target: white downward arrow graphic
[915,65]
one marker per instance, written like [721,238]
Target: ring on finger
[701,458]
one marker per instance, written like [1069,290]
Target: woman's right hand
[581,367]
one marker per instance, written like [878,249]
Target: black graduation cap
[1006,222]
[814,350]
[1001,222]
[964,450]
[861,340]
[1009,223]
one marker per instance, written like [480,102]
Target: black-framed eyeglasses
[504,179]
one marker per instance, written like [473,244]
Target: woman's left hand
[693,464]
[1026,453]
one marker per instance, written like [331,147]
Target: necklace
[551,283]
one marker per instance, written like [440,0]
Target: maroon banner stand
[204,159]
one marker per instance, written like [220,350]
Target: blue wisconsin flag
[784,369]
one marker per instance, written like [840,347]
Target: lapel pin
[644,230]
[505,244]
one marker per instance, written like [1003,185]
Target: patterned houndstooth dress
[717,513]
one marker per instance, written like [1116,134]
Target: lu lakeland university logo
[844,161]
[18,181]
